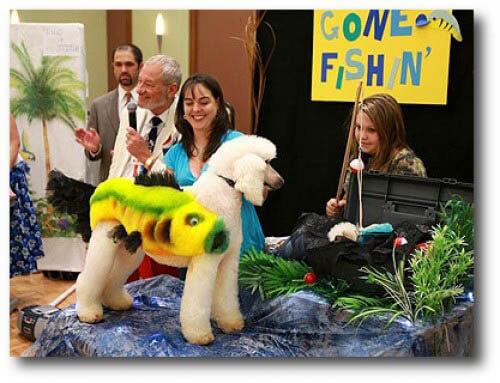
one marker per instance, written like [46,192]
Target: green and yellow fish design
[165,220]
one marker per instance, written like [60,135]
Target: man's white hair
[171,72]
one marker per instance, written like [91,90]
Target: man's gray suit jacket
[105,120]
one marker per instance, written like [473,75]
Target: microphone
[132,118]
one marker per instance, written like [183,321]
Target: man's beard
[150,105]
[125,81]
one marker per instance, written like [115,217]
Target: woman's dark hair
[220,125]
[231,114]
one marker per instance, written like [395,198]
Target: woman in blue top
[202,119]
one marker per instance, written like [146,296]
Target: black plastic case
[394,199]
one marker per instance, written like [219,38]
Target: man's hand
[88,138]
[137,146]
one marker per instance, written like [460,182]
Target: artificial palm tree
[46,92]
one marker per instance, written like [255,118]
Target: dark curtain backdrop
[311,136]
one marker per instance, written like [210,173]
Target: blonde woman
[383,144]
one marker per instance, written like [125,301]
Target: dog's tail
[70,196]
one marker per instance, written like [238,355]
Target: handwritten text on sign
[383,48]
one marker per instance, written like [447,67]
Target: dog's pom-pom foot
[90,313]
[197,337]
[120,301]
[233,325]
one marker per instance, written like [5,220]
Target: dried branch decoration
[256,62]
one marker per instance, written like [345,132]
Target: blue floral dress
[25,235]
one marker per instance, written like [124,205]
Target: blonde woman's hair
[387,118]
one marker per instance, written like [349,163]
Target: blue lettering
[415,70]
[324,64]
[375,70]
[396,29]
[379,27]
[353,63]
[328,36]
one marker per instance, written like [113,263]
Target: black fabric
[310,232]
[343,258]
[156,121]
[151,139]
[71,196]
[153,133]
[311,136]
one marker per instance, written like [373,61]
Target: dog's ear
[249,177]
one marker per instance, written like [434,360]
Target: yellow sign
[403,53]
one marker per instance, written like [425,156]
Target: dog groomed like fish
[199,228]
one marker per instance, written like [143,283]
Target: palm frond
[68,85]
[18,107]
[18,80]
[52,75]
[51,65]
[48,91]
[25,59]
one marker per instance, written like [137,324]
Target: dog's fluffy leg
[226,305]
[114,295]
[197,299]
[91,281]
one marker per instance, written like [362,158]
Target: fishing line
[359,174]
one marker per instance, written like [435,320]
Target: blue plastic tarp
[299,325]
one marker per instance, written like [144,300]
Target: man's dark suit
[105,120]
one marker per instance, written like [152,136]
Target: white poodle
[239,167]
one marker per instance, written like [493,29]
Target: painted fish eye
[193,219]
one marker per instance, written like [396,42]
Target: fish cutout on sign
[441,20]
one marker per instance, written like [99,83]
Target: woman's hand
[334,208]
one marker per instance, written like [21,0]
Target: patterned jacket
[405,162]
